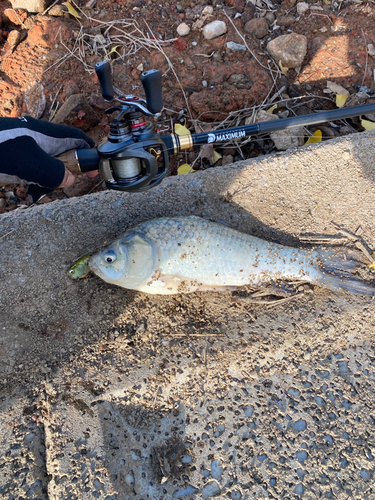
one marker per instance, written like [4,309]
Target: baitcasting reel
[133,158]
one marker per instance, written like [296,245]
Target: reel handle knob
[151,81]
[103,72]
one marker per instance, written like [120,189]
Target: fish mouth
[94,267]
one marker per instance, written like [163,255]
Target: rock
[230,12]
[240,81]
[290,50]
[189,63]
[270,18]
[287,5]
[31,6]
[282,81]
[97,101]
[257,27]
[189,14]
[260,117]
[227,160]
[216,470]
[283,139]
[283,114]
[207,11]
[235,46]
[211,489]
[328,132]
[58,11]
[76,112]
[217,57]
[347,130]
[238,5]
[300,425]
[185,491]
[129,479]
[302,7]
[70,88]
[249,13]
[15,37]
[15,16]
[288,138]
[371,50]
[35,100]
[90,4]
[286,21]
[45,31]
[183,29]
[236,494]
[214,29]
[180,43]
[293,92]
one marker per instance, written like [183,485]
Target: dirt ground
[111,394]
[203,81]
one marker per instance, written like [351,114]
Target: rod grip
[151,81]
[80,160]
[103,72]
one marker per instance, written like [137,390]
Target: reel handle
[151,81]
[103,72]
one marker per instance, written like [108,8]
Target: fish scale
[186,254]
[214,254]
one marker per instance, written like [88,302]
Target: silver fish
[186,254]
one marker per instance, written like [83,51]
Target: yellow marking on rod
[186,141]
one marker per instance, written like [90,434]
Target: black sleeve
[52,138]
[22,157]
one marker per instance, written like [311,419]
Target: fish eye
[110,258]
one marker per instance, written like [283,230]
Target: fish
[80,269]
[185,254]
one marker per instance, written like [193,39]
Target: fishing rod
[135,158]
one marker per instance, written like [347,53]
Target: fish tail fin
[336,271]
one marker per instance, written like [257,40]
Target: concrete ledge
[50,324]
[274,197]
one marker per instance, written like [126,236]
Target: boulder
[290,50]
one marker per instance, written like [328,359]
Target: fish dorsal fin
[142,257]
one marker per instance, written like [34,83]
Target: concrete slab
[108,393]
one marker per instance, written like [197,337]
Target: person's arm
[28,147]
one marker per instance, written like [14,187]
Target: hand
[27,148]
[69,178]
